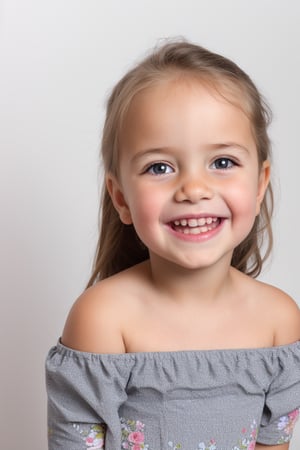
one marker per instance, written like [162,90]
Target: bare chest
[196,330]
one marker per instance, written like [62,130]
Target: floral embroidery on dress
[210,446]
[247,442]
[286,424]
[92,435]
[174,446]
[133,436]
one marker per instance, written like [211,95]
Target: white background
[59,59]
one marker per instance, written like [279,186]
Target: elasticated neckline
[259,351]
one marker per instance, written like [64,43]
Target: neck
[181,284]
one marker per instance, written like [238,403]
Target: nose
[193,189]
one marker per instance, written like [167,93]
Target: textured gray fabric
[192,400]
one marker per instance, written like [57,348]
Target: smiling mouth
[196,226]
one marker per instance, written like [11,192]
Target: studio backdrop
[59,60]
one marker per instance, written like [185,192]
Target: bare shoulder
[95,322]
[96,319]
[283,312]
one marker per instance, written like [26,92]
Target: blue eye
[223,164]
[159,169]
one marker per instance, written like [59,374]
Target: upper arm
[94,322]
[287,320]
[285,315]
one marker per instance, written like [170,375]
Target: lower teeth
[195,230]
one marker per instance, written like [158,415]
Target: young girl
[175,345]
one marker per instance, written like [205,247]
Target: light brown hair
[119,246]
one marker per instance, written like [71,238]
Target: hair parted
[119,246]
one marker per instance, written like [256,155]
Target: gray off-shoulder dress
[188,400]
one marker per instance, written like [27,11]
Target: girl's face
[189,181]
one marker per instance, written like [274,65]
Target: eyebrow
[212,147]
[225,145]
[150,151]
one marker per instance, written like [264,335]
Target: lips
[194,225]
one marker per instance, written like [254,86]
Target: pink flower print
[210,446]
[253,434]
[136,437]
[133,437]
[94,440]
[139,425]
[287,423]
[251,446]
[293,417]
[96,444]
[248,441]
[92,436]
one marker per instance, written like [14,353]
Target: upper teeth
[195,222]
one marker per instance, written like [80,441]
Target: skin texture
[176,138]
[185,154]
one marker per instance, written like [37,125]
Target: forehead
[185,109]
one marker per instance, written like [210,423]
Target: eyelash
[231,162]
[151,169]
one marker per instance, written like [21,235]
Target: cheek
[145,218]
[242,200]
[145,208]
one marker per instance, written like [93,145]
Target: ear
[263,181]
[118,199]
